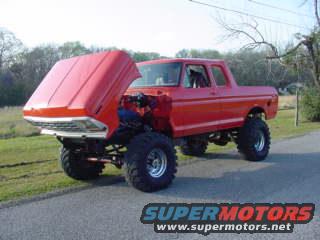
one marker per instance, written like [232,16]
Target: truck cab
[205,96]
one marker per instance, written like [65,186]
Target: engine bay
[140,112]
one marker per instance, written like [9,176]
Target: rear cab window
[196,77]
[219,76]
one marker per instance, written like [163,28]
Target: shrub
[310,103]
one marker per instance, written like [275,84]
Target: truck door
[198,100]
[231,106]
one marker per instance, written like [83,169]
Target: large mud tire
[150,162]
[254,140]
[73,164]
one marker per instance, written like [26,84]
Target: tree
[196,53]
[184,53]
[24,68]
[144,56]
[10,46]
[32,66]
[305,53]
[96,49]
[72,49]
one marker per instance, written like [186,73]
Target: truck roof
[183,60]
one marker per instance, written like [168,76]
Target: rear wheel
[194,146]
[254,140]
[150,162]
[75,166]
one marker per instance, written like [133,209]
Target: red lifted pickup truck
[104,108]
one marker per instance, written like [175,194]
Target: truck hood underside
[83,86]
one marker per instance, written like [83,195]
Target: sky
[164,26]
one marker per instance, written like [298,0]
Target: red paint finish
[201,110]
[90,85]
[93,85]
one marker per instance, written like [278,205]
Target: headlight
[91,125]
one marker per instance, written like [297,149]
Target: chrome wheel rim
[260,141]
[156,163]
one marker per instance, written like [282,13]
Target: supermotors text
[205,218]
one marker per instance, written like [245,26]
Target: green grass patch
[13,125]
[283,125]
[29,165]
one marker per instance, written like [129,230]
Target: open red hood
[82,85]
[89,85]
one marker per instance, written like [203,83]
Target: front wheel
[150,162]
[254,140]
[75,166]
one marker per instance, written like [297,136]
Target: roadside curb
[105,181]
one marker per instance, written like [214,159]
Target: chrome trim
[77,133]
[156,163]
[57,119]
[259,146]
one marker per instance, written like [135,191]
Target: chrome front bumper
[73,127]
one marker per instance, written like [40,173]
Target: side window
[196,77]
[219,76]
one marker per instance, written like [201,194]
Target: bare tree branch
[287,53]
[307,49]
[316,11]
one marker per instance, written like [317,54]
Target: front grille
[58,126]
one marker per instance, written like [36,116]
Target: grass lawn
[29,166]
[13,125]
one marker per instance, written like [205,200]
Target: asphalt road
[112,211]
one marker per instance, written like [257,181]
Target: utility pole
[297,107]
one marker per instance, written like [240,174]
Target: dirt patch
[19,164]
[2,178]
[33,175]
[287,102]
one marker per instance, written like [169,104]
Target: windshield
[157,75]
